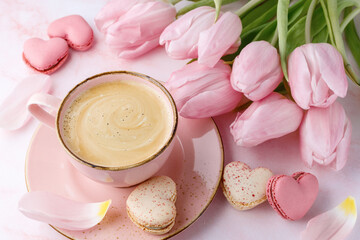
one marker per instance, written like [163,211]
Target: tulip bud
[257,70]
[219,38]
[133,28]
[200,91]
[316,75]
[325,136]
[272,117]
[195,35]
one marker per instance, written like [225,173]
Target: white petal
[335,224]
[13,112]
[62,212]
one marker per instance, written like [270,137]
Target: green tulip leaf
[282,28]
[352,38]
[255,13]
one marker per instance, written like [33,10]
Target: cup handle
[36,105]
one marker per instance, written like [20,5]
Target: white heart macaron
[151,206]
[245,188]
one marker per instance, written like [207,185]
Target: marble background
[21,19]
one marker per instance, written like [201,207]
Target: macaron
[243,187]
[292,197]
[75,30]
[151,205]
[45,56]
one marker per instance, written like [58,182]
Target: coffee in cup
[117,123]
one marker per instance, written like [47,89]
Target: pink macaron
[292,197]
[75,30]
[45,56]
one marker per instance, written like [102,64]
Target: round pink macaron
[75,30]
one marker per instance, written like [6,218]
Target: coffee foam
[117,124]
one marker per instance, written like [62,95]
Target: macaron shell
[159,231]
[45,56]
[243,187]
[293,198]
[75,30]
[151,206]
[269,188]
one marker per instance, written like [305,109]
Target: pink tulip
[195,35]
[316,75]
[272,117]
[133,28]
[200,91]
[257,70]
[325,136]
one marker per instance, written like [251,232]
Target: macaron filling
[154,228]
[59,62]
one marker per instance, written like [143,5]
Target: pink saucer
[196,165]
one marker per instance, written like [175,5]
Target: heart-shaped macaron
[74,29]
[45,56]
[292,197]
[245,188]
[151,206]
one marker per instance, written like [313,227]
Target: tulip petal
[272,117]
[326,143]
[203,104]
[179,27]
[335,224]
[62,212]
[134,52]
[135,29]
[13,111]
[200,91]
[316,75]
[215,41]
[181,37]
[257,70]
[299,76]
[333,72]
[342,150]
[112,11]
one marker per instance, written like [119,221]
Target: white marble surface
[21,19]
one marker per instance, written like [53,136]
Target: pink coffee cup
[50,111]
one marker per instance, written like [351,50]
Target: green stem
[199,4]
[229,62]
[243,106]
[218,8]
[247,7]
[173,2]
[331,34]
[309,15]
[288,90]
[275,38]
[334,19]
[337,37]
[282,28]
[348,18]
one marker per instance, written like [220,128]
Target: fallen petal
[62,212]
[335,224]
[13,112]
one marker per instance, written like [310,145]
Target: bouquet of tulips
[287,60]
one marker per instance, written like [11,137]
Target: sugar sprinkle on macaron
[243,187]
[151,205]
